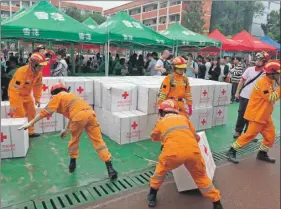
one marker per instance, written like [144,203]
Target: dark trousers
[233,91]
[241,122]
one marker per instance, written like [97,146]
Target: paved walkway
[249,185]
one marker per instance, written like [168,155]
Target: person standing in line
[159,67]
[192,67]
[81,116]
[62,67]
[224,70]
[152,64]
[236,75]
[215,70]
[180,141]
[245,88]
[208,65]
[202,69]
[258,112]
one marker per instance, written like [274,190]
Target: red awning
[229,44]
[248,40]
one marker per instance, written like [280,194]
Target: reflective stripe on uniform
[273,97]
[236,146]
[264,148]
[72,149]
[38,84]
[162,96]
[161,178]
[175,128]
[206,190]
[257,87]
[48,111]
[101,148]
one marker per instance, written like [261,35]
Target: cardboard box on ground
[183,179]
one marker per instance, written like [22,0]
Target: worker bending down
[27,80]
[81,116]
[180,147]
[258,113]
[176,86]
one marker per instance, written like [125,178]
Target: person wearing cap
[27,80]
[81,116]
[176,86]
[40,49]
[180,141]
[259,110]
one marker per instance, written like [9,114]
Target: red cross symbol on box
[3,137]
[80,89]
[49,117]
[44,87]
[205,92]
[134,125]
[219,112]
[205,149]
[125,95]
[10,114]
[223,92]
[203,122]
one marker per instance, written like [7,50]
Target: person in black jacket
[215,70]
[202,69]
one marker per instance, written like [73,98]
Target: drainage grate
[24,205]
[106,188]
[66,199]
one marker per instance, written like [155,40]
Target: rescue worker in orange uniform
[180,141]
[26,80]
[176,86]
[81,116]
[259,110]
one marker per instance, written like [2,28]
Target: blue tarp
[268,40]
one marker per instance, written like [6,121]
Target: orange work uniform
[181,147]
[81,116]
[176,87]
[22,84]
[258,113]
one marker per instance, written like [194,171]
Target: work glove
[25,126]
[189,110]
[63,133]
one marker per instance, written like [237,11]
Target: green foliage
[193,17]
[231,17]
[76,14]
[272,27]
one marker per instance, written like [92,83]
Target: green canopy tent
[14,15]
[90,23]
[123,30]
[182,37]
[44,21]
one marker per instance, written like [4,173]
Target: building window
[150,22]
[175,3]
[15,4]
[174,18]
[162,20]
[150,7]
[25,4]
[135,11]
[153,27]
[5,14]
[5,3]
[163,4]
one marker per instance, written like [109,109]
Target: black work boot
[151,198]
[112,173]
[34,135]
[72,165]
[236,135]
[217,205]
[231,154]
[263,156]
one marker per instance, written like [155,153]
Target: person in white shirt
[208,65]
[159,67]
[224,70]
[192,67]
[245,88]
[227,62]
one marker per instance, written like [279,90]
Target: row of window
[162,20]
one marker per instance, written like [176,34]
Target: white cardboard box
[183,179]
[201,118]
[147,98]
[202,94]
[151,122]
[5,109]
[48,82]
[220,115]
[222,94]
[14,142]
[119,97]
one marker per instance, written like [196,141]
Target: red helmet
[263,56]
[272,67]
[38,58]
[179,62]
[169,106]
[58,86]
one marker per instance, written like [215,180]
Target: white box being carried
[201,118]
[14,142]
[183,179]
[147,98]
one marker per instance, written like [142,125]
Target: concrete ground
[251,184]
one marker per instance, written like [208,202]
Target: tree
[193,16]
[272,27]
[232,17]
[76,14]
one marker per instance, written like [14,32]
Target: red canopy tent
[228,44]
[257,45]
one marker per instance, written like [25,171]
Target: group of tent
[44,21]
